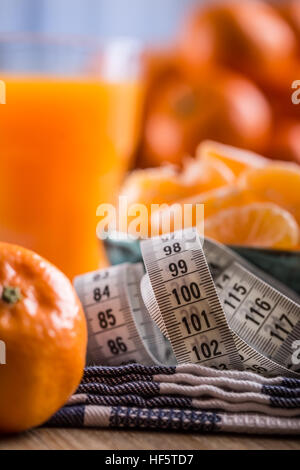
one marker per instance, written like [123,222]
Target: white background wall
[145,19]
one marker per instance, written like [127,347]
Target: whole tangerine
[43,328]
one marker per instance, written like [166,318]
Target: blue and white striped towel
[186,397]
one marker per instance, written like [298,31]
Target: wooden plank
[58,439]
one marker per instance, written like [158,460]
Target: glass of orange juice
[67,134]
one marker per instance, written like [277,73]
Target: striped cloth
[186,397]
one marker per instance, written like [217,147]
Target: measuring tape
[198,302]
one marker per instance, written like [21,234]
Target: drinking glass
[67,135]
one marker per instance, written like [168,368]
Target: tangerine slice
[262,225]
[167,184]
[238,160]
[203,176]
[214,201]
[278,183]
[153,186]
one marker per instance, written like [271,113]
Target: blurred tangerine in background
[221,105]
[226,76]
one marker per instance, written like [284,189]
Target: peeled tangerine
[262,225]
[236,159]
[43,328]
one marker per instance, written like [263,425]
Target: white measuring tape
[203,305]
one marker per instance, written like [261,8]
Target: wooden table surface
[81,439]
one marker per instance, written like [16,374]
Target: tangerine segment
[238,160]
[153,186]
[204,176]
[224,198]
[278,183]
[213,201]
[262,225]
[167,184]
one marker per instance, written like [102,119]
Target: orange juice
[64,148]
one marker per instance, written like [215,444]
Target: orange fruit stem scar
[11,295]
